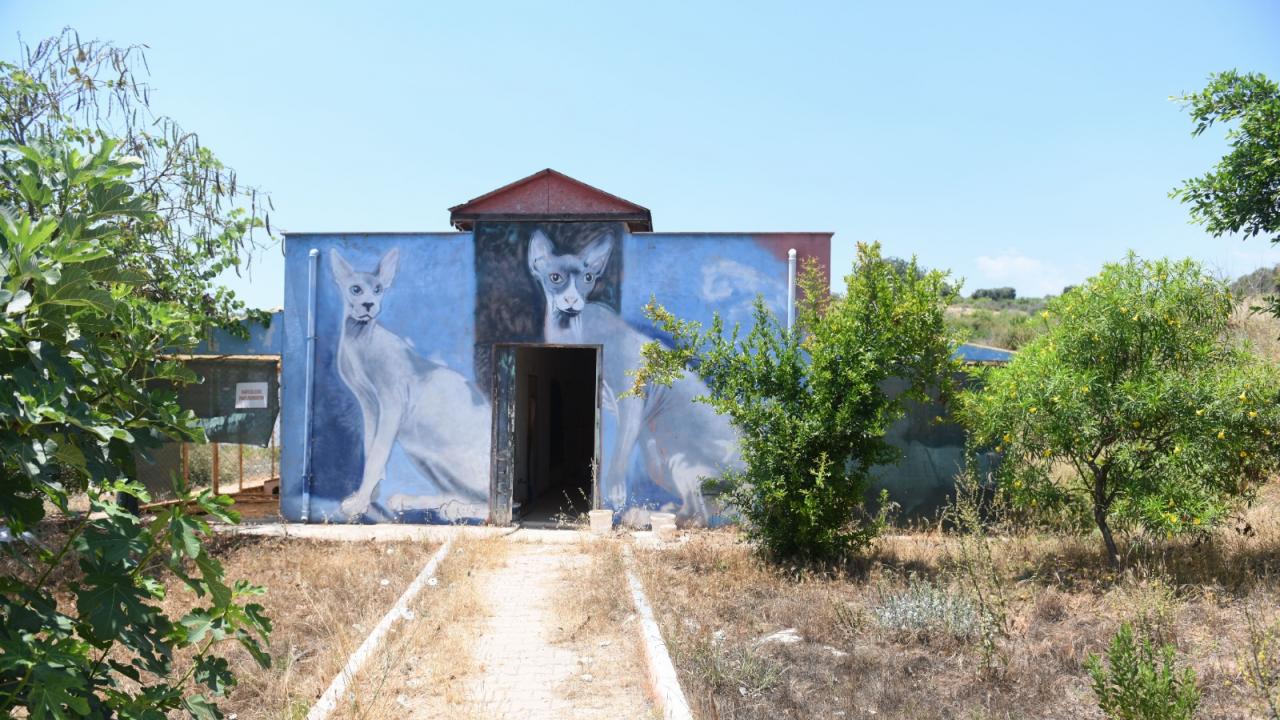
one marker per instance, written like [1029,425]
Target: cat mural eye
[377,289]
[587,277]
[356,290]
[556,278]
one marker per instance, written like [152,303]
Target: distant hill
[1263,281]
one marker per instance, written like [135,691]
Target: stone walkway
[523,674]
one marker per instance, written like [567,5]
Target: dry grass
[716,600]
[1259,329]
[425,664]
[323,599]
[596,620]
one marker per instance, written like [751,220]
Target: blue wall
[417,338]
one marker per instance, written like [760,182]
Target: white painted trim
[329,700]
[663,682]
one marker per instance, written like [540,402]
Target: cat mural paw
[355,505]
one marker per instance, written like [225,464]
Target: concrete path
[523,674]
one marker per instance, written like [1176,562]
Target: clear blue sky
[1014,143]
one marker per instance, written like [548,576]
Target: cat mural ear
[340,268]
[539,251]
[596,255]
[386,271]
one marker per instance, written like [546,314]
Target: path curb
[663,682]
[329,700]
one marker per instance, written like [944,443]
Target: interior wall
[573,372]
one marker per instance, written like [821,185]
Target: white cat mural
[682,441]
[437,417]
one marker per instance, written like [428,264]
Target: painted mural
[679,442]
[435,415]
[405,364]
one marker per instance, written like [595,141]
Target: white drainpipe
[791,288]
[313,260]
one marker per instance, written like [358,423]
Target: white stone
[785,637]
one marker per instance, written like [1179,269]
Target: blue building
[477,375]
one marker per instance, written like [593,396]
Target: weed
[976,567]
[923,612]
[1261,663]
[849,621]
[1142,681]
[737,668]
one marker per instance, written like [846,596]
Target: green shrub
[809,404]
[1141,682]
[1134,401]
[93,309]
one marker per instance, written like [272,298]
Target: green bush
[1142,682]
[1135,402]
[91,307]
[809,404]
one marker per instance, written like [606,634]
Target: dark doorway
[555,433]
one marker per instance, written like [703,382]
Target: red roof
[551,196]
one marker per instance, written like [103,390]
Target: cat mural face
[568,280]
[362,292]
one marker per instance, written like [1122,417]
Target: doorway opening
[556,434]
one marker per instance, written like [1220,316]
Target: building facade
[478,375]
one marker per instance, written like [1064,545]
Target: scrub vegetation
[1000,623]
[113,225]
[1142,406]
[808,401]
[1135,404]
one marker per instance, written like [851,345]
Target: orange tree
[1136,389]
